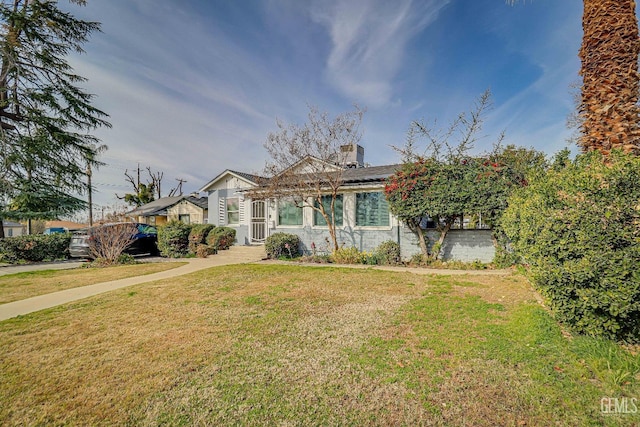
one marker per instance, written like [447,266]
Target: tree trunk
[1,228]
[609,55]
[421,239]
[443,235]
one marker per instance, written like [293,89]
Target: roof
[247,177]
[201,202]
[369,174]
[64,224]
[13,224]
[160,206]
[157,207]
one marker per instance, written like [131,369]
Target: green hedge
[282,245]
[221,238]
[35,248]
[198,235]
[173,239]
[577,226]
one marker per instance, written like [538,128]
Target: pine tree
[45,117]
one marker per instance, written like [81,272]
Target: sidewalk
[235,255]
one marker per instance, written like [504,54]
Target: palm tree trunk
[609,54]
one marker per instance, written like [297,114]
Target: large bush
[578,227]
[35,248]
[173,239]
[388,253]
[198,236]
[282,244]
[221,238]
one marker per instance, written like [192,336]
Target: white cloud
[369,39]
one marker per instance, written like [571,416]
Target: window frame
[317,215]
[229,212]
[291,204]
[380,194]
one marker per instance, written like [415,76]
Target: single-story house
[191,209]
[62,226]
[12,228]
[363,219]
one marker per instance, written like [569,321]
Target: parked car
[145,241]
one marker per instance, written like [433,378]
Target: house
[190,209]
[62,226]
[12,228]
[363,219]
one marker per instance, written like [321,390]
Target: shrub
[282,245]
[347,256]
[203,250]
[198,235]
[173,239]
[505,258]
[35,248]
[388,253]
[221,238]
[108,242]
[578,228]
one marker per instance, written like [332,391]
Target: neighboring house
[363,219]
[12,229]
[62,226]
[190,209]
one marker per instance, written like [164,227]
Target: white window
[318,219]
[233,211]
[372,210]
[289,213]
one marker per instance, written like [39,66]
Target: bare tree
[307,162]
[107,242]
[145,192]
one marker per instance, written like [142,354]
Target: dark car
[145,241]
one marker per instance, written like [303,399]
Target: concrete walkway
[235,255]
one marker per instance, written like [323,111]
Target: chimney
[352,155]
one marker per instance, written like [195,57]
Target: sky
[194,87]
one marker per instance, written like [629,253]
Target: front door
[258,221]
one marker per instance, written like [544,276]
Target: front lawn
[15,287]
[291,345]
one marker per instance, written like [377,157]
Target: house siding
[459,245]
[196,214]
[218,194]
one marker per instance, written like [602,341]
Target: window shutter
[222,211]
[241,208]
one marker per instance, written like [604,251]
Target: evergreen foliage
[578,227]
[173,239]
[35,248]
[282,245]
[45,115]
[221,238]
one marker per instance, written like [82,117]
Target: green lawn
[291,345]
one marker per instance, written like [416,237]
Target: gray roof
[202,202]
[251,178]
[160,206]
[248,176]
[369,174]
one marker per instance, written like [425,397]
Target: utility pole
[89,194]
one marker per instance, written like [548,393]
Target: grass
[290,345]
[15,287]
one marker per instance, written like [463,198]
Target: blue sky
[194,87]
